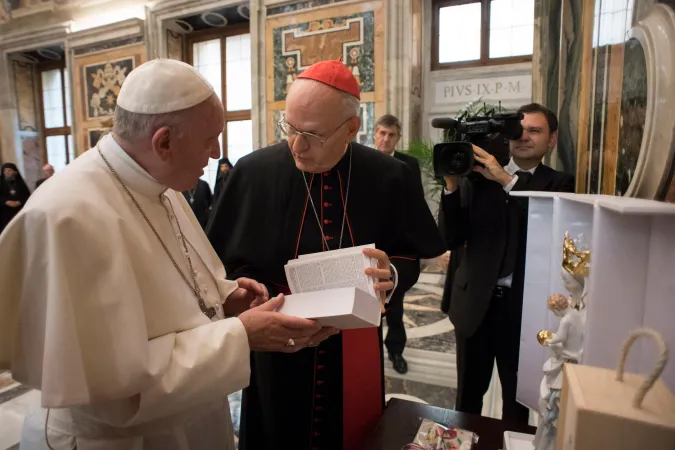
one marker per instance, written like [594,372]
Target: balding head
[331,115]
[47,170]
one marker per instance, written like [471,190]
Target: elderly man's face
[48,171]
[386,138]
[312,107]
[190,148]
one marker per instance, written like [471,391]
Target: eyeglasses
[312,139]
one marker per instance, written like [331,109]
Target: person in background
[387,135]
[224,168]
[490,227]
[200,199]
[47,172]
[13,193]
[115,307]
[320,191]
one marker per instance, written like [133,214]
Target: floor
[430,353]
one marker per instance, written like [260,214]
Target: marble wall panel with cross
[353,33]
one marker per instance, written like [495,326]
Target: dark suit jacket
[411,161]
[481,229]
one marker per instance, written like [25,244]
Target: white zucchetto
[162,86]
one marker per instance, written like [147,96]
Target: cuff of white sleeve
[513,182]
[395,273]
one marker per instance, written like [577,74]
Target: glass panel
[52,97]
[239,139]
[206,58]
[612,22]
[71,148]
[511,28]
[459,33]
[211,169]
[238,72]
[66,81]
[56,152]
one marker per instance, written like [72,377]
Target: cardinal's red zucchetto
[335,74]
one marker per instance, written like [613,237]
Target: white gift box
[631,282]
[343,308]
[518,441]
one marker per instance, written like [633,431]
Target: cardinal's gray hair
[351,104]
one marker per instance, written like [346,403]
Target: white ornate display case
[631,279]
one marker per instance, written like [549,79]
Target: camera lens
[453,158]
[458,162]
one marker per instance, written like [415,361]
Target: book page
[358,249]
[330,270]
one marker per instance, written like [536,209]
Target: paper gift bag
[606,409]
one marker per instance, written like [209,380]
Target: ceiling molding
[117,30]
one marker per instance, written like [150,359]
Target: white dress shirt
[511,168]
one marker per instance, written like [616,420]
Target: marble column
[545,58]
[574,83]
[398,49]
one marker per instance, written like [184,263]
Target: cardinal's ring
[290,343]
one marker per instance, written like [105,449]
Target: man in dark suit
[387,135]
[490,226]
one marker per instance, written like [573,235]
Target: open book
[333,269]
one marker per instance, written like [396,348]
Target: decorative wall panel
[174,45]
[97,79]
[353,33]
[24,85]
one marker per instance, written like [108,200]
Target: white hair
[351,104]
[130,126]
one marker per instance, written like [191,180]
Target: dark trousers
[395,340]
[497,337]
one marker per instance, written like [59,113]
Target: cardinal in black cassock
[320,191]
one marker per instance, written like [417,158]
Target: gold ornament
[543,336]
[575,261]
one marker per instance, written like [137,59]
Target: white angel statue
[566,344]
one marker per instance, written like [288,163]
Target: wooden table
[402,419]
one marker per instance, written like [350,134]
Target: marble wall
[25,80]
[300,35]
[601,92]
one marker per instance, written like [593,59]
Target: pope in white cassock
[113,302]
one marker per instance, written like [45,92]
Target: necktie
[524,176]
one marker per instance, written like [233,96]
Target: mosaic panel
[349,38]
[103,82]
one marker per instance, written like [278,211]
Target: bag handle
[651,378]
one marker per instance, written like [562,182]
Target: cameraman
[487,291]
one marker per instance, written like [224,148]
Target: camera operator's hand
[451,182]
[492,170]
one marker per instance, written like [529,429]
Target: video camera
[454,156]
